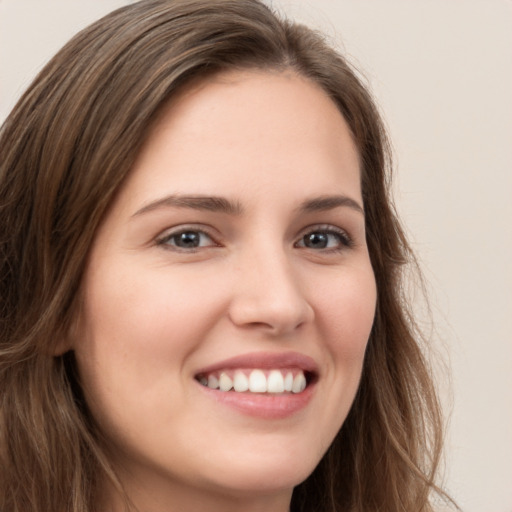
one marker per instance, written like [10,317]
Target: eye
[187,239]
[329,239]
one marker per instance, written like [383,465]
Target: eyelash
[166,238]
[344,240]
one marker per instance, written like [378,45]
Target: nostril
[270,318]
[270,299]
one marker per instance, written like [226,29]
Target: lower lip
[263,405]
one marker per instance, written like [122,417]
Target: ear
[63,341]
[69,333]
[61,347]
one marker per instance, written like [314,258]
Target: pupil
[188,239]
[316,240]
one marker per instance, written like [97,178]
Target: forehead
[259,128]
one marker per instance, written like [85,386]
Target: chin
[249,474]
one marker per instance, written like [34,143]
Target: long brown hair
[65,150]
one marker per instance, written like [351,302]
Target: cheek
[345,309]
[136,331]
[347,312]
[145,310]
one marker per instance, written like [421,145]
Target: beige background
[442,73]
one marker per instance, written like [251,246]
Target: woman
[201,277]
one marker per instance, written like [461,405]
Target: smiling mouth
[261,381]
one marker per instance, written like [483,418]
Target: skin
[154,313]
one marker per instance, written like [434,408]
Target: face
[234,255]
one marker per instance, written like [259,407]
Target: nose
[269,295]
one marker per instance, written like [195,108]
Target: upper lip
[264,361]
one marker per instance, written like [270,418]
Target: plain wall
[441,71]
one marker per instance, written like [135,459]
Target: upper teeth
[257,381]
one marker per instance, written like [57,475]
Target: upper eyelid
[324,227]
[179,228]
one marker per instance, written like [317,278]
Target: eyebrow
[323,203]
[224,205]
[206,203]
